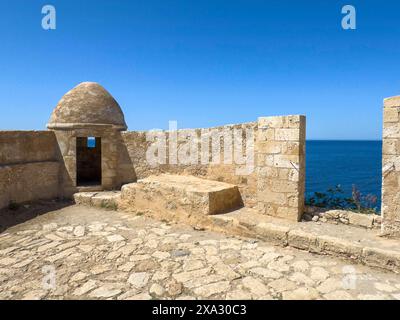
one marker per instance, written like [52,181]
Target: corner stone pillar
[390,209]
[280,152]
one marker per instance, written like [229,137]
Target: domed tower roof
[87,105]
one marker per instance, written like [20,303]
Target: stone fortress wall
[29,169]
[269,172]
[137,146]
[51,154]
[276,182]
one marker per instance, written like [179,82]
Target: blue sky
[205,63]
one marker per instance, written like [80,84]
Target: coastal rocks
[364,220]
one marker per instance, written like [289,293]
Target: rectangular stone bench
[181,194]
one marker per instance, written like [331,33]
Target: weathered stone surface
[301,240]
[79,231]
[301,266]
[319,274]
[87,103]
[115,238]
[338,295]
[187,194]
[86,287]
[28,182]
[272,232]
[346,217]
[142,266]
[139,279]
[157,290]
[338,246]
[301,294]
[381,258]
[283,284]
[390,167]
[255,286]
[280,166]
[105,291]
[211,289]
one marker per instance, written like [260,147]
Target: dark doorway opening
[88,161]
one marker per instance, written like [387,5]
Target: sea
[344,163]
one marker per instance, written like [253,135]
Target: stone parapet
[26,182]
[391,167]
[280,154]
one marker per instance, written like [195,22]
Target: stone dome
[87,105]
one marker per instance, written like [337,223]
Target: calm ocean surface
[329,163]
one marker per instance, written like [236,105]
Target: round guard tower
[87,123]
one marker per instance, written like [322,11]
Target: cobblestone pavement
[98,254]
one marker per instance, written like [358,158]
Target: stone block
[285,152]
[391,114]
[381,258]
[273,233]
[283,186]
[337,246]
[392,102]
[301,240]
[362,220]
[391,130]
[292,148]
[287,134]
[289,213]
[390,162]
[293,199]
[286,161]
[264,134]
[291,121]
[390,146]
[268,172]
[187,194]
[270,122]
[269,196]
[106,199]
[270,147]
[84,198]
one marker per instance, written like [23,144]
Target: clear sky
[205,63]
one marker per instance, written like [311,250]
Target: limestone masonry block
[287,134]
[392,102]
[391,167]
[391,114]
[391,130]
[390,147]
[28,182]
[281,166]
[181,195]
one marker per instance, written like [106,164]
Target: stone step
[103,199]
[181,194]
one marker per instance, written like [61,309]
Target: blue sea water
[331,163]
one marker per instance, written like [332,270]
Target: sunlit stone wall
[391,167]
[281,166]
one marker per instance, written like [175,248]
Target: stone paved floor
[98,254]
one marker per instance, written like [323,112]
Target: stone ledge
[392,102]
[356,244]
[106,199]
